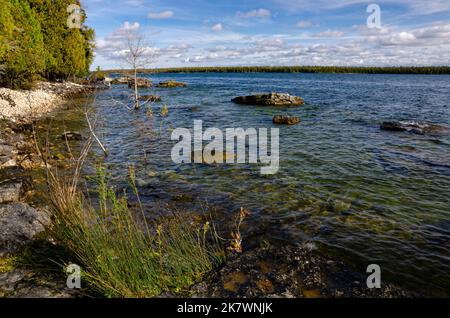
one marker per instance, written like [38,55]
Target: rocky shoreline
[26,105]
[290,271]
[22,223]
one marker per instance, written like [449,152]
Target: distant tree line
[302,69]
[36,42]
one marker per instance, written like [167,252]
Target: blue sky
[273,32]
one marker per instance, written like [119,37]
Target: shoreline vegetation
[431,70]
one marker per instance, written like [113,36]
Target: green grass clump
[120,253]
[7,264]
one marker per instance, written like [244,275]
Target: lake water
[366,195]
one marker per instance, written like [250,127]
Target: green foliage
[121,254]
[69,52]
[35,41]
[23,47]
[98,75]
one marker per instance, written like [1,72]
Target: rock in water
[170,84]
[70,136]
[141,82]
[120,80]
[19,225]
[272,99]
[414,127]
[286,120]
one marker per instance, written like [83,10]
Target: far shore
[430,70]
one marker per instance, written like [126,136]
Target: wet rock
[272,99]
[420,128]
[71,136]
[23,283]
[150,98]
[120,80]
[19,225]
[170,84]
[286,120]
[141,82]
[10,191]
[288,272]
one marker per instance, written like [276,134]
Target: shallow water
[367,195]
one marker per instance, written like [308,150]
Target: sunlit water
[366,195]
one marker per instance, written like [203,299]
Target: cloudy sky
[273,32]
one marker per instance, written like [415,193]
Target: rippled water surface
[367,195]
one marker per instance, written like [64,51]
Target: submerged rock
[289,272]
[71,136]
[170,84]
[420,128]
[150,98]
[286,120]
[19,225]
[272,99]
[24,283]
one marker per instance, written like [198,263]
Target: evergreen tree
[22,49]
[69,51]
[35,40]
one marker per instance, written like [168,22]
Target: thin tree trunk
[136,94]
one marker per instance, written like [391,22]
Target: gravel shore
[46,97]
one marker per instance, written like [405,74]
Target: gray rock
[7,150]
[170,84]
[419,128]
[10,191]
[141,82]
[272,99]
[8,155]
[22,283]
[19,225]
[120,80]
[286,120]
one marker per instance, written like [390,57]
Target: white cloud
[260,13]
[305,24]
[161,15]
[127,26]
[401,38]
[217,27]
[330,34]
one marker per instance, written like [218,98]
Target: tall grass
[122,254]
